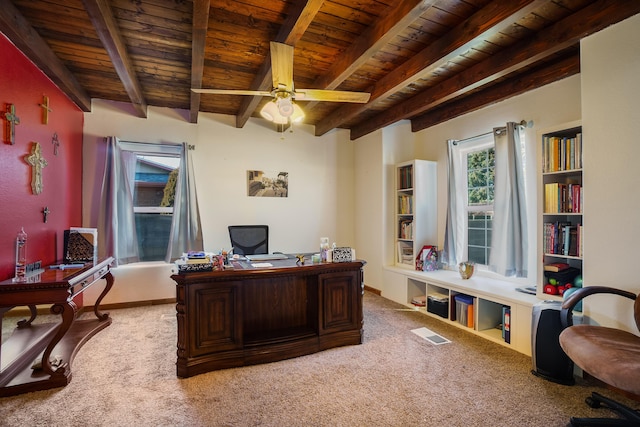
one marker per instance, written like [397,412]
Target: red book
[556,266]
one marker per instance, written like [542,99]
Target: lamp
[282,109]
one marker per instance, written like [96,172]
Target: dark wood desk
[31,341]
[256,315]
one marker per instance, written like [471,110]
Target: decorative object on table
[21,256]
[80,245]
[37,162]
[466,269]
[300,259]
[45,213]
[45,109]
[56,143]
[324,248]
[343,254]
[12,120]
[427,259]
[199,261]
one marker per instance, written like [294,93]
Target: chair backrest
[249,239]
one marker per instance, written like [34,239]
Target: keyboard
[266,257]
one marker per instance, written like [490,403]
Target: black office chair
[611,355]
[249,239]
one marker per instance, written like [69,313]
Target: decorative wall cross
[37,162]
[45,213]
[55,143]
[12,121]
[45,109]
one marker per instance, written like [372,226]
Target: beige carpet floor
[126,376]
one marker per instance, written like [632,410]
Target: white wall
[550,105]
[321,199]
[610,62]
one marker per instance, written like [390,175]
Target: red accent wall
[23,84]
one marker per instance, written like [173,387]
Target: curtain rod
[471,138]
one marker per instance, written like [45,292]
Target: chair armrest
[566,314]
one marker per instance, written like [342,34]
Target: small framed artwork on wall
[267,183]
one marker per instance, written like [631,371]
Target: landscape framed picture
[267,183]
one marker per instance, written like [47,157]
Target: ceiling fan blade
[282,66]
[232,92]
[331,96]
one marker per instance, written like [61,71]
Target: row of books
[464,310]
[561,238]
[405,253]
[561,153]
[405,229]
[405,204]
[405,177]
[562,198]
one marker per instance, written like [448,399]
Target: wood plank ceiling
[422,60]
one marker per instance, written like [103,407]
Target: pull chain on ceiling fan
[282,109]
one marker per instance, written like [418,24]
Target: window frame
[477,208]
[143,150]
[480,143]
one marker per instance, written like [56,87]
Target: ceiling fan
[282,109]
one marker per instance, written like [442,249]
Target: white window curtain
[509,242]
[455,235]
[186,230]
[116,221]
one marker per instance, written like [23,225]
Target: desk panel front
[256,315]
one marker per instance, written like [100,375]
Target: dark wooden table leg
[25,323]
[103,316]
[68,312]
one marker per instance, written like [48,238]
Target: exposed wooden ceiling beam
[493,18]
[557,37]
[370,42]
[24,37]
[109,33]
[540,76]
[198,43]
[291,31]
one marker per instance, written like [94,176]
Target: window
[488,210]
[153,197]
[480,170]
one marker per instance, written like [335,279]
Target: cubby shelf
[489,295]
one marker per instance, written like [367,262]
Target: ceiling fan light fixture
[285,106]
[270,111]
[298,114]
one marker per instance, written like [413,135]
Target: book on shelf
[405,204]
[405,229]
[405,253]
[562,238]
[506,324]
[556,266]
[405,177]
[562,198]
[561,153]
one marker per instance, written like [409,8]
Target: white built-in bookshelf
[560,225]
[415,209]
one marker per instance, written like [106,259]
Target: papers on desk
[261,264]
